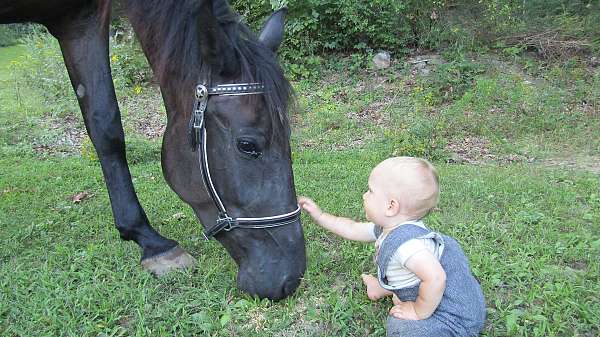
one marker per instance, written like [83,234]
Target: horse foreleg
[84,44]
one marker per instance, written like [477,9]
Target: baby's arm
[433,283]
[344,227]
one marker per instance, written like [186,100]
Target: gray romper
[461,311]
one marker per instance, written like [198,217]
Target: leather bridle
[224,222]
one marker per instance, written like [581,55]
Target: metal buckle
[227,223]
[197,120]
[223,223]
[201,101]
[201,91]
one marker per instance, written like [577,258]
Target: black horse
[244,135]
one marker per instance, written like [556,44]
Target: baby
[427,273]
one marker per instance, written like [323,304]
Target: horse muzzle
[274,266]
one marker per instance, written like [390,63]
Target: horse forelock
[171,33]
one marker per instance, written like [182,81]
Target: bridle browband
[198,141]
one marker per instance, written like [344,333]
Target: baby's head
[407,185]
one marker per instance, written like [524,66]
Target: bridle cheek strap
[198,141]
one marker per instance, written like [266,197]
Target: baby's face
[376,198]
[387,182]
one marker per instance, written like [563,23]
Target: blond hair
[416,181]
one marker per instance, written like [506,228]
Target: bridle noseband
[198,141]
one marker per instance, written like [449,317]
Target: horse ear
[271,34]
[215,47]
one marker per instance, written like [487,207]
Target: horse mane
[171,29]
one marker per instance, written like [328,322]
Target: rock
[382,60]
[455,158]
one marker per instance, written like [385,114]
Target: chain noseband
[198,141]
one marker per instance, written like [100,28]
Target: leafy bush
[129,65]
[447,82]
[42,67]
[11,34]
[316,26]
[422,140]
[552,28]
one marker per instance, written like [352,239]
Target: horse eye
[248,148]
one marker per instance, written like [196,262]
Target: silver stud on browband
[237,89]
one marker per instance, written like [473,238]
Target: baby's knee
[396,327]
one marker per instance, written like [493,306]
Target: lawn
[517,156]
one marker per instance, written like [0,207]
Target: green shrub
[12,34]
[88,151]
[129,65]
[421,138]
[552,28]
[316,27]
[42,67]
[447,82]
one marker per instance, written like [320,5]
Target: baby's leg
[396,327]
[374,290]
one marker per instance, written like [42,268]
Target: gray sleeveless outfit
[461,311]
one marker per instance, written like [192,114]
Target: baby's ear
[393,207]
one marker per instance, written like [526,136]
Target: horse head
[244,141]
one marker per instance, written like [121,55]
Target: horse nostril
[290,285]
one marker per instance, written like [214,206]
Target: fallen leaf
[179,216]
[81,196]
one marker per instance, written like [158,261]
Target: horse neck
[172,52]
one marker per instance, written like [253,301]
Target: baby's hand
[310,207]
[404,310]
[374,290]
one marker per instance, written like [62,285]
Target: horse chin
[273,266]
[266,287]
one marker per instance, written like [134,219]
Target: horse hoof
[173,259]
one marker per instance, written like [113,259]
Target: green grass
[531,232]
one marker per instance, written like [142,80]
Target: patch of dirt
[146,114]
[578,265]
[589,109]
[388,82]
[358,142]
[496,63]
[476,150]
[374,112]
[146,117]
[257,320]
[73,134]
[579,163]
[301,326]
[126,322]
[424,64]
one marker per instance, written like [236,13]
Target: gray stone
[382,60]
